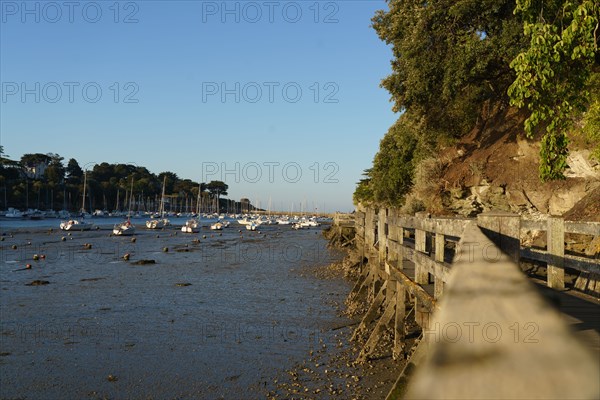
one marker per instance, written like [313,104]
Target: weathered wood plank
[446,226]
[413,289]
[570,261]
[585,228]
[384,321]
[494,336]
[371,313]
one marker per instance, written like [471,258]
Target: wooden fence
[487,332]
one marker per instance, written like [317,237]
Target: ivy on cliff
[553,72]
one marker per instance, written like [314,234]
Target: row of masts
[146,204]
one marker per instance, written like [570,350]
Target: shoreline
[337,375]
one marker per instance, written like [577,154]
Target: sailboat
[78,224]
[193,225]
[217,226]
[162,222]
[190,226]
[126,228]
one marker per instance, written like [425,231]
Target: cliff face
[496,168]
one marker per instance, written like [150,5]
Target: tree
[449,58]
[363,192]
[553,72]
[393,166]
[172,178]
[74,172]
[33,160]
[217,188]
[450,63]
[55,172]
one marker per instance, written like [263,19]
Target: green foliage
[591,119]
[553,72]
[74,173]
[217,188]
[32,160]
[363,192]
[393,165]
[391,176]
[106,182]
[449,57]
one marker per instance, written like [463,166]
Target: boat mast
[162,198]
[198,198]
[84,187]
[130,199]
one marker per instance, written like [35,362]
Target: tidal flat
[209,315]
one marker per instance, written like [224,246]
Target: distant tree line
[44,181]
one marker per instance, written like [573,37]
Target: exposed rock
[563,200]
[587,209]
[143,262]
[582,166]
[37,282]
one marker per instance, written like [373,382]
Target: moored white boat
[251,226]
[124,229]
[157,223]
[190,226]
[75,225]
[217,226]
[13,213]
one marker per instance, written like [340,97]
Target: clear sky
[281,100]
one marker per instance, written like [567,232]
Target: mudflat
[186,316]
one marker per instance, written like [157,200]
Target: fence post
[421,275]
[399,330]
[440,242]
[556,249]
[382,234]
[504,229]
[400,240]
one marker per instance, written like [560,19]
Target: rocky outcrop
[514,186]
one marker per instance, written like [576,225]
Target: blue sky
[279,99]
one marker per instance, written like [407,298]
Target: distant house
[37,171]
